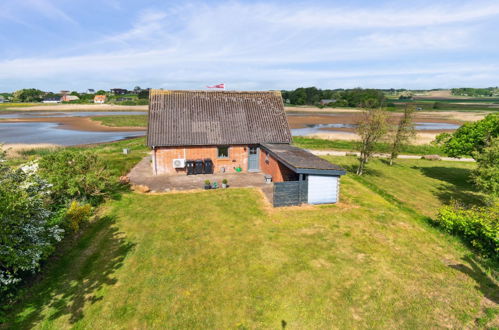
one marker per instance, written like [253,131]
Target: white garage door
[322,189]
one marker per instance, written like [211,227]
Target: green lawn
[112,153]
[122,120]
[5,106]
[224,259]
[422,185]
[382,147]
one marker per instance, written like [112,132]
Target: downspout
[154,160]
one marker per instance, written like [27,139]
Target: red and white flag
[217,86]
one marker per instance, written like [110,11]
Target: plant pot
[224,185]
[207,186]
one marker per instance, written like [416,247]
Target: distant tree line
[333,97]
[476,92]
[138,96]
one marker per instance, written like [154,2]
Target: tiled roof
[182,118]
[301,161]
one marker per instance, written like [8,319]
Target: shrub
[76,175]
[479,226]
[27,234]
[77,214]
[486,174]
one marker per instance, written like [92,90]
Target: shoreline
[75,123]
[79,107]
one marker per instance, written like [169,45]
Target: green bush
[76,215]
[76,175]
[134,102]
[27,235]
[478,226]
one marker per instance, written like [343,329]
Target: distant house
[64,92]
[119,91]
[90,91]
[69,98]
[100,99]
[327,101]
[230,131]
[2,99]
[52,100]
[121,99]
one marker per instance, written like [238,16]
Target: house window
[266,157]
[223,152]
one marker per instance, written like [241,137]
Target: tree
[28,95]
[143,94]
[371,127]
[27,235]
[405,130]
[472,138]
[357,97]
[299,97]
[79,175]
[137,89]
[486,175]
[100,92]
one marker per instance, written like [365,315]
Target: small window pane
[223,152]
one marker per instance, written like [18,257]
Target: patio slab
[142,174]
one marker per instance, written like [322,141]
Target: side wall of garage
[279,172]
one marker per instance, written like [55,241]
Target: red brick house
[237,132]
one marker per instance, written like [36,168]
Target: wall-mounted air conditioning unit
[179,163]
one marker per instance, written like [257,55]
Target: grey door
[253,159]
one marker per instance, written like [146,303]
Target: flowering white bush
[26,233]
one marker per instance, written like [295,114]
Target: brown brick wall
[238,156]
[279,172]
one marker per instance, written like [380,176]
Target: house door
[253,159]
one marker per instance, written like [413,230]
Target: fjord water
[33,132]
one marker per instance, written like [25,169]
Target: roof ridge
[186,91]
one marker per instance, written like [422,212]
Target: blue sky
[249,45]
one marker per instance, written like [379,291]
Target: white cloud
[407,15]
[269,46]
[15,10]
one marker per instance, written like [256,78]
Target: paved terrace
[141,174]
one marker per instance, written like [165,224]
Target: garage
[322,189]
[300,177]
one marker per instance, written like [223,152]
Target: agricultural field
[226,259]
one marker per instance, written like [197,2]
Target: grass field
[422,185]
[321,144]
[122,120]
[5,106]
[112,153]
[225,259]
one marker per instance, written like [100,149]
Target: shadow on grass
[457,186]
[368,171]
[72,280]
[486,285]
